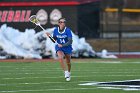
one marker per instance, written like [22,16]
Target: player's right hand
[48,34]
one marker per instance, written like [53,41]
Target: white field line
[46,72]
[116,72]
[17,67]
[33,77]
[101,62]
[97,69]
[42,68]
[111,81]
[43,90]
[73,76]
[36,83]
[52,67]
[126,89]
[31,68]
[136,62]
[48,66]
[110,62]
[26,65]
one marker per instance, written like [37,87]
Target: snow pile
[29,44]
[106,55]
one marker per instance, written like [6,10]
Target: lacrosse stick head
[34,20]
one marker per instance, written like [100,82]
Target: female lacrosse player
[63,37]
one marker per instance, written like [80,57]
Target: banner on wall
[18,17]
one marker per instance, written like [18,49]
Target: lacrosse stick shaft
[41,27]
[53,40]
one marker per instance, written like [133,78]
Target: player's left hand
[59,45]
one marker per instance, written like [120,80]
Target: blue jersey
[62,38]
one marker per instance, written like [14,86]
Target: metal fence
[120,17]
[120,20]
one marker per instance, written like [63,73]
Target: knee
[60,57]
[68,63]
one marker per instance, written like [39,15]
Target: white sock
[65,71]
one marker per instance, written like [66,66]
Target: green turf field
[47,77]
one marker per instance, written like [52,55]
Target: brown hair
[62,18]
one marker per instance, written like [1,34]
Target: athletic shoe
[68,79]
[67,76]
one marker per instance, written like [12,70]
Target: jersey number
[62,41]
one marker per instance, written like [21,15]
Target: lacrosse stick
[34,20]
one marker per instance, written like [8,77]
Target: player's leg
[61,59]
[68,62]
[62,63]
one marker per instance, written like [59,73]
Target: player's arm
[68,43]
[69,38]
